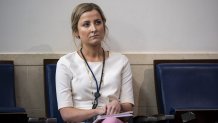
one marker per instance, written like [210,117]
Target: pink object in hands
[111,120]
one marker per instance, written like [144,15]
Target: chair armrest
[42,120]
[153,118]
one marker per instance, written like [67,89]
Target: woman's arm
[126,107]
[74,115]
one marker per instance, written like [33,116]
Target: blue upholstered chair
[186,84]
[50,90]
[7,89]
[9,112]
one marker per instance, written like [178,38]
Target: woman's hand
[101,111]
[113,107]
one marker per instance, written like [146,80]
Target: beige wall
[30,80]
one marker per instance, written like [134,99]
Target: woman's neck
[93,54]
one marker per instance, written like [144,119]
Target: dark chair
[50,90]
[7,94]
[186,85]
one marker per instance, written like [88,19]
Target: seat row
[186,91]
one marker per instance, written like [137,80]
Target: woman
[92,81]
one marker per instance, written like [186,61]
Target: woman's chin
[96,42]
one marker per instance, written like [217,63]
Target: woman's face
[91,28]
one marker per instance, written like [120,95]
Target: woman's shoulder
[118,55]
[68,58]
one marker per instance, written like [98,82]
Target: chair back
[50,90]
[7,88]
[186,84]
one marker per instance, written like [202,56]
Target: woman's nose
[93,28]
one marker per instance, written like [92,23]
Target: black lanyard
[96,94]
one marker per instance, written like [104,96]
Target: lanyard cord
[97,94]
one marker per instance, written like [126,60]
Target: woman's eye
[98,22]
[86,24]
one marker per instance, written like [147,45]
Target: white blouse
[75,85]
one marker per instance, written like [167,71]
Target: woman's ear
[76,35]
